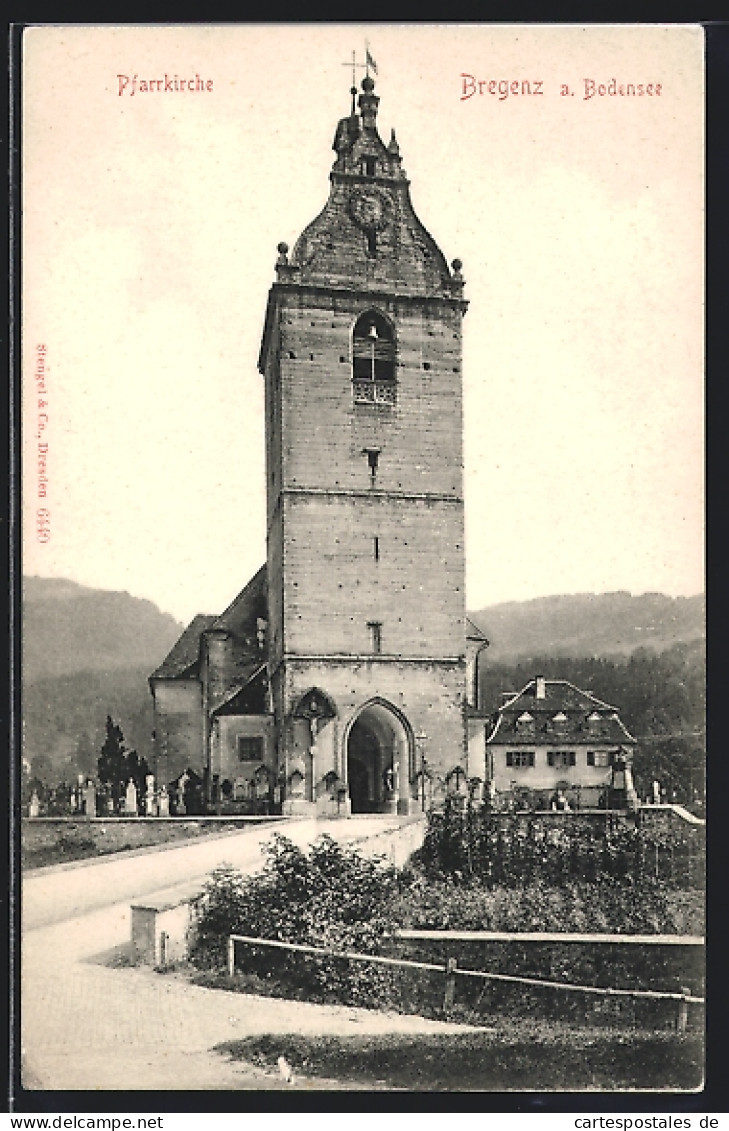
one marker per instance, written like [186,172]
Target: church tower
[361,355]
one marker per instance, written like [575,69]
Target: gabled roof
[559,695]
[249,697]
[563,715]
[244,610]
[182,658]
[240,619]
[473,632]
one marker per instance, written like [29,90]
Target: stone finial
[368,103]
[393,148]
[283,254]
[457,264]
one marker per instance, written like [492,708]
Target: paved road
[51,895]
[91,1022]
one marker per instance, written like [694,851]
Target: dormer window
[594,723]
[559,722]
[373,360]
[525,722]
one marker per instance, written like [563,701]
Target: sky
[150,225]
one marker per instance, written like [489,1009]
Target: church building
[336,681]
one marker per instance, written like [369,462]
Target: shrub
[334,898]
[330,897]
[513,850]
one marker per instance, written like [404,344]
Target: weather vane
[368,65]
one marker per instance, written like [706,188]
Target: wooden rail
[550,937]
[450,969]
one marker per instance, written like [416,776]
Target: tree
[113,765]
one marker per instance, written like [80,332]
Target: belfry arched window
[373,360]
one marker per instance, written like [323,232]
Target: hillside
[86,653]
[69,628]
[590,624]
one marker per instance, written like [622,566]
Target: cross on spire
[368,65]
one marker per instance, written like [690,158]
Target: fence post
[450,984]
[682,1020]
[231,957]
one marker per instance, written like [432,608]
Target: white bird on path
[285,1070]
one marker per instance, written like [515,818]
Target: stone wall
[178,721]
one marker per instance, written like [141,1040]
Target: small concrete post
[231,957]
[450,984]
[682,1022]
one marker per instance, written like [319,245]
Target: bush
[334,898]
[605,905]
[330,897]
[512,851]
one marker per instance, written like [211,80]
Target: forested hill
[69,628]
[86,653]
[590,624]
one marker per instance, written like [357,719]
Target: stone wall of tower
[429,695]
[420,437]
[334,586]
[333,577]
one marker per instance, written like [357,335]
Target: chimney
[541,687]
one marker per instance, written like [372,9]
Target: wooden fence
[451,970]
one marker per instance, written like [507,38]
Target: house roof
[182,658]
[246,697]
[564,714]
[240,619]
[244,611]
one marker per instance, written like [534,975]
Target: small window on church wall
[370,166]
[375,628]
[373,459]
[373,360]
[250,749]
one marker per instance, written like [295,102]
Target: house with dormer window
[552,745]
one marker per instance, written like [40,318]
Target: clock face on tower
[370,208]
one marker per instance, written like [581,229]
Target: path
[90,1023]
[64,891]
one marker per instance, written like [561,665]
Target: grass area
[513,1056]
[52,842]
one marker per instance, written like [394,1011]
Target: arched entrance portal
[378,760]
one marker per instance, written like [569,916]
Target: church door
[378,760]
[363,769]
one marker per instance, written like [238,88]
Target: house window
[522,758]
[525,722]
[375,628]
[559,722]
[561,758]
[373,360]
[250,749]
[599,758]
